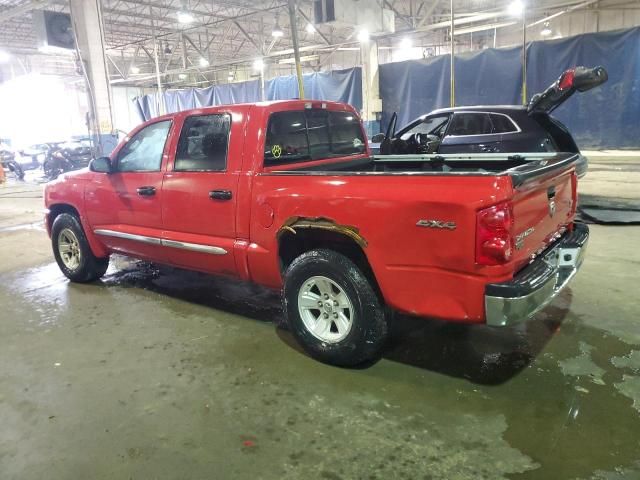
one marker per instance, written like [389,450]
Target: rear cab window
[310,135]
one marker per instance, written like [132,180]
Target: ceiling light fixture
[516,8]
[258,64]
[363,35]
[135,70]
[310,28]
[277,31]
[546,31]
[184,16]
[406,43]
[203,62]
[4,56]
[182,76]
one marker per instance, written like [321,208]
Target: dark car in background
[65,157]
[495,129]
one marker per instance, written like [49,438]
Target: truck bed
[519,166]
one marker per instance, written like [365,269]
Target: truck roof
[270,105]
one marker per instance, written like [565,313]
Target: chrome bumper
[537,284]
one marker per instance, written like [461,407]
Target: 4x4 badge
[436,224]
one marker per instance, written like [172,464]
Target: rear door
[200,192]
[124,207]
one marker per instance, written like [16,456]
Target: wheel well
[291,245]
[55,210]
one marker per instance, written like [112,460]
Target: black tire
[89,267]
[368,324]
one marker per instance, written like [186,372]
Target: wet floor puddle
[568,394]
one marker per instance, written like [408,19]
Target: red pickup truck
[286,195]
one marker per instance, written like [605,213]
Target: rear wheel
[72,252]
[332,309]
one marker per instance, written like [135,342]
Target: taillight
[566,81]
[494,239]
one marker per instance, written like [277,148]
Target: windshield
[430,125]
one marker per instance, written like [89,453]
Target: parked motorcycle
[66,157]
[9,162]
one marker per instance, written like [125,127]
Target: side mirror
[377,138]
[101,165]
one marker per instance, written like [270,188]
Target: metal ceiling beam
[208,24]
[22,9]
[248,37]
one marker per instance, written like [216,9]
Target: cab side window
[203,143]
[470,124]
[143,152]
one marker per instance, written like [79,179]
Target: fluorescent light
[184,17]
[363,35]
[135,70]
[480,28]
[4,56]
[277,32]
[515,8]
[307,58]
[406,43]
[546,31]
[203,62]
[310,28]
[258,64]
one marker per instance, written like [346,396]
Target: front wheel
[72,251]
[333,310]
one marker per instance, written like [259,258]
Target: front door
[124,207]
[200,194]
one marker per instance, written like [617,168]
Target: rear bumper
[582,166]
[537,284]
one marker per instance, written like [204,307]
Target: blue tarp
[340,85]
[606,117]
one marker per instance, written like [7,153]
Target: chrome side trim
[128,236]
[195,247]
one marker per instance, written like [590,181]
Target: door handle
[220,195]
[146,191]
[488,148]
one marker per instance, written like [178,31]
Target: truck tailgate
[543,207]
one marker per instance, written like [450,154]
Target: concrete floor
[159,373]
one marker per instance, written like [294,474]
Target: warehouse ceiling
[226,36]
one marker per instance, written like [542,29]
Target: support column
[86,17]
[371,102]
